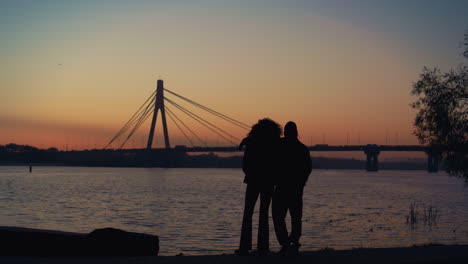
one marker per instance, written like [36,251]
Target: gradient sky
[73,72]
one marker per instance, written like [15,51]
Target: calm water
[199,211]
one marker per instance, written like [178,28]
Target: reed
[429,215]
[412,217]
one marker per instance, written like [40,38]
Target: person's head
[290,130]
[265,129]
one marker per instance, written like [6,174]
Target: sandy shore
[423,254]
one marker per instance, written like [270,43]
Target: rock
[17,241]
[116,242]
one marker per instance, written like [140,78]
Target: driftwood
[17,241]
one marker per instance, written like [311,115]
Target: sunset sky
[73,72]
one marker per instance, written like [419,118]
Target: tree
[466,45]
[442,120]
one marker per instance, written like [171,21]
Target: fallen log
[18,241]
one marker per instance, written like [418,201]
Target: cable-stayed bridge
[158,104]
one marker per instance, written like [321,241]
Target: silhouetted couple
[275,168]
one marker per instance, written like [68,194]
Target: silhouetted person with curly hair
[295,168]
[260,168]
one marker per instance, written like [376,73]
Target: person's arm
[245,162]
[243,143]
[250,161]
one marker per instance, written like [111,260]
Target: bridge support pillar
[432,161]
[159,106]
[372,154]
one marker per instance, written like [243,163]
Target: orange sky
[71,76]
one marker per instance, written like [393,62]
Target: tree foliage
[466,45]
[442,119]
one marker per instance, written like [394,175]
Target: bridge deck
[311,148]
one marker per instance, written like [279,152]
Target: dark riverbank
[422,254]
[18,155]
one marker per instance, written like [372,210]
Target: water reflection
[198,211]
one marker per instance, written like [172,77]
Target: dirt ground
[421,254]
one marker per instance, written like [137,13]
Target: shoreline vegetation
[433,253]
[23,155]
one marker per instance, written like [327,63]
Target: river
[199,211]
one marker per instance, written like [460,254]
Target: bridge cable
[148,108]
[170,116]
[213,112]
[218,114]
[135,128]
[135,121]
[198,118]
[132,119]
[138,124]
[140,121]
[124,129]
[188,128]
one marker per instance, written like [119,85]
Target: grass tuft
[429,215]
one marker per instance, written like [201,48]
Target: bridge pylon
[372,152]
[159,106]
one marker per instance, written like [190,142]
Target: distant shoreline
[194,167]
[214,161]
[18,155]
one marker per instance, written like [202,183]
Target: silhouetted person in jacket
[296,166]
[260,168]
